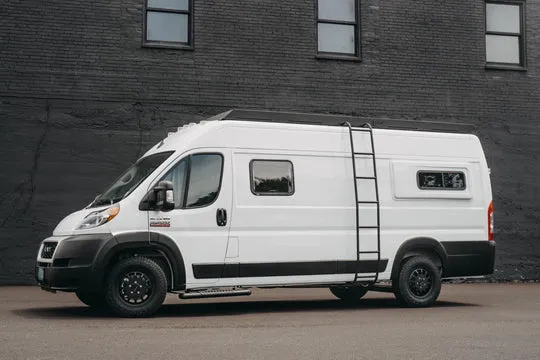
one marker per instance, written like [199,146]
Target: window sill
[161,45]
[338,57]
[505,67]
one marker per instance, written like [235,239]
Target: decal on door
[160,222]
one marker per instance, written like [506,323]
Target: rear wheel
[349,294]
[92,299]
[418,283]
[136,287]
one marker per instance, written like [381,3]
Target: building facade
[86,87]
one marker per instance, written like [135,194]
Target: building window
[271,177]
[505,44]
[439,180]
[168,23]
[337,27]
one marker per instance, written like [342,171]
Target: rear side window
[272,177]
[441,180]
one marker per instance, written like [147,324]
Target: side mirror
[164,195]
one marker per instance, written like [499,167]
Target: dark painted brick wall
[80,98]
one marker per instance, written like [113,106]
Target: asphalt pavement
[470,321]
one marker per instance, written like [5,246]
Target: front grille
[48,250]
[43,264]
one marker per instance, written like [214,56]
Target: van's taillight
[490,221]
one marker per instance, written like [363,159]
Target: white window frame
[356,23]
[169,44]
[521,36]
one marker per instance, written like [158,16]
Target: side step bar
[214,293]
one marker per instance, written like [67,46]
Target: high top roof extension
[339,120]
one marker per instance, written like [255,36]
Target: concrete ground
[470,321]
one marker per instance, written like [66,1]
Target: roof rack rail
[339,120]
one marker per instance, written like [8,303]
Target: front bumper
[65,278]
[70,267]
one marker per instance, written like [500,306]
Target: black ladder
[365,128]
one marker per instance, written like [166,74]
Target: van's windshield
[130,179]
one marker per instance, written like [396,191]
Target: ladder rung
[361,129]
[368,202]
[368,252]
[364,153]
[368,227]
[366,177]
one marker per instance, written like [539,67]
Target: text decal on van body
[160,222]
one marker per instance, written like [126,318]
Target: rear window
[272,177]
[441,180]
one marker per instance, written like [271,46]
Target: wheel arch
[152,245]
[416,246]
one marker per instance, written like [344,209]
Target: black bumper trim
[65,279]
[73,264]
[469,258]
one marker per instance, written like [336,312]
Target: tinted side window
[439,180]
[204,179]
[272,177]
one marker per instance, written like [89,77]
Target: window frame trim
[190,45]
[251,184]
[357,56]
[522,39]
[465,181]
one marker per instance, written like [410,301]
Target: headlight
[98,218]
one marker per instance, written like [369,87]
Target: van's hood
[68,224]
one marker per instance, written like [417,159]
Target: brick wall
[80,98]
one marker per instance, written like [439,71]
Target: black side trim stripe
[216,271]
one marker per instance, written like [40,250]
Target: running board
[214,293]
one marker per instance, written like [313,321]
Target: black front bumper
[64,278]
[73,267]
[469,258]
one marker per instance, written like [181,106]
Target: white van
[223,206]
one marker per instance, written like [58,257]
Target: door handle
[221,217]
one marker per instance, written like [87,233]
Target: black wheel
[92,299]
[136,287]
[418,283]
[349,294]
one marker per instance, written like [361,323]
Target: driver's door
[199,223]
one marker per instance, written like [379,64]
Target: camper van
[228,205]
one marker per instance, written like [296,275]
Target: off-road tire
[418,283]
[93,299]
[349,294]
[122,273]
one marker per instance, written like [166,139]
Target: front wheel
[349,294]
[136,287]
[418,283]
